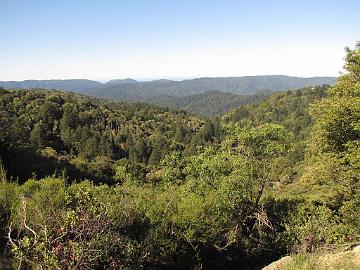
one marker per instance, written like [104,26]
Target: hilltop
[129,89]
[204,96]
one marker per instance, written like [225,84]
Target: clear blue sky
[174,39]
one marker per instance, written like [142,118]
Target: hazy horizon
[161,78]
[179,39]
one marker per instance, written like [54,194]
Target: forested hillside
[291,110]
[48,131]
[150,188]
[160,91]
[247,85]
[129,89]
[203,96]
[211,103]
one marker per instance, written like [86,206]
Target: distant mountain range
[77,85]
[207,96]
[130,90]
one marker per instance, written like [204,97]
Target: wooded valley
[89,183]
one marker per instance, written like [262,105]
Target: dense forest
[86,137]
[210,103]
[92,184]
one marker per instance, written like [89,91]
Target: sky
[174,39]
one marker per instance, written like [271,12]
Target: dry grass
[348,260]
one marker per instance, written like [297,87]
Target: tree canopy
[92,184]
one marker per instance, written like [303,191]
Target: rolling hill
[204,96]
[76,85]
[130,90]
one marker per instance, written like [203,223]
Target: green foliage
[181,192]
[338,115]
[202,203]
[210,103]
[312,226]
[82,131]
[330,182]
[79,234]
[291,110]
